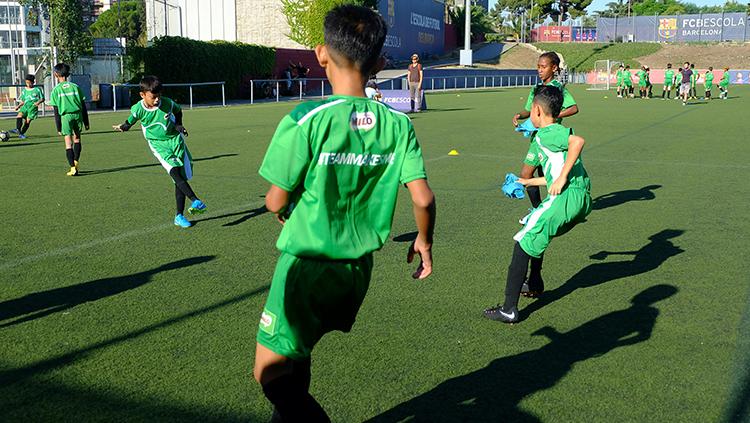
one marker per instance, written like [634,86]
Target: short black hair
[62,69]
[30,77]
[549,98]
[150,83]
[357,33]
[669,65]
[552,57]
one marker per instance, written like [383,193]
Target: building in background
[22,33]
[203,20]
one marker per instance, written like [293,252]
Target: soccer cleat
[72,172]
[75,163]
[181,221]
[498,314]
[197,207]
[525,219]
[536,292]
[13,131]
[21,136]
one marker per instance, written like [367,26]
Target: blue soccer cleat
[197,207]
[21,136]
[181,221]
[13,131]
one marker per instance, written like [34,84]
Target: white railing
[187,84]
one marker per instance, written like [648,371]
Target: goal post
[604,75]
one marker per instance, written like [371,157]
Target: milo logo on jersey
[362,121]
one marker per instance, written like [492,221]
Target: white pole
[191,97]
[223,98]
[466,53]
[114,98]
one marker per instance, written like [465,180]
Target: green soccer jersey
[343,159]
[724,80]
[619,76]
[693,78]
[549,148]
[67,97]
[29,96]
[668,77]
[568,99]
[678,79]
[709,78]
[627,78]
[642,77]
[157,123]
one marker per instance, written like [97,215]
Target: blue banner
[414,26]
[400,100]
[680,28]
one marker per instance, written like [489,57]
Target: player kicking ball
[28,108]
[558,151]
[161,121]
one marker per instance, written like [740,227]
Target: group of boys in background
[684,81]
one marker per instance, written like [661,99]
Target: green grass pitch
[110,313]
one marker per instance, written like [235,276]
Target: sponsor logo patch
[268,322]
[362,121]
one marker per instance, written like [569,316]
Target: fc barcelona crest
[667,27]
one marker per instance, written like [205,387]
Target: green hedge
[581,56]
[181,60]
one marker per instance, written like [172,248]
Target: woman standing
[415,83]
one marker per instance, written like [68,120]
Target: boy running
[69,106]
[329,163]
[724,85]
[668,82]
[709,82]
[685,81]
[548,66]
[28,108]
[569,201]
[161,122]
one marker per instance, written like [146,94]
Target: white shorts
[685,88]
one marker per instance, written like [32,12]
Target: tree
[480,22]
[66,20]
[614,8]
[128,22]
[305,18]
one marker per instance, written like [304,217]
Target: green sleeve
[559,142]
[176,108]
[568,99]
[134,113]
[288,156]
[52,96]
[532,157]
[529,100]
[41,93]
[413,165]
[80,94]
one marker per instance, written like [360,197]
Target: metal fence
[116,87]
[713,27]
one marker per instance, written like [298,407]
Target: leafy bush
[180,60]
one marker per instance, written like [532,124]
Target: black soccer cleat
[498,314]
[532,288]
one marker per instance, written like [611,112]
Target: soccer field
[110,313]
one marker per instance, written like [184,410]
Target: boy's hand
[515,119]
[117,128]
[557,186]
[419,246]
[181,129]
[523,181]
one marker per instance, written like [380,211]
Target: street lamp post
[466,53]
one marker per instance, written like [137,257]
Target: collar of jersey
[347,97]
[549,128]
[149,109]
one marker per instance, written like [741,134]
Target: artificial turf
[110,313]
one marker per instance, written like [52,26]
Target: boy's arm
[85,115]
[424,214]
[178,123]
[570,111]
[575,145]
[58,121]
[533,182]
[277,200]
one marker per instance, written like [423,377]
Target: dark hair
[692,65]
[150,83]
[62,69]
[711,68]
[549,98]
[30,77]
[357,33]
[669,65]
[552,57]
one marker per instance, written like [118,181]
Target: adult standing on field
[415,75]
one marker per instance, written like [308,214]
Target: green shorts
[556,215]
[668,85]
[309,298]
[709,86]
[642,84]
[71,124]
[29,113]
[171,153]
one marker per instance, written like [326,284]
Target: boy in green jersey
[724,85]
[548,66]
[668,82]
[709,83]
[28,107]
[642,82]
[627,79]
[69,106]
[161,122]
[335,167]
[620,83]
[569,201]
[693,82]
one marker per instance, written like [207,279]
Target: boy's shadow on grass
[617,198]
[647,258]
[40,304]
[140,166]
[406,237]
[494,392]
[244,216]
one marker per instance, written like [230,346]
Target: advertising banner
[414,26]
[582,35]
[656,76]
[400,100]
[675,28]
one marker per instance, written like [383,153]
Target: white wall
[204,20]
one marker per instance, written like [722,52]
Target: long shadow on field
[737,407]
[40,304]
[614,199]
[647,258]
[244,216]
[406,237]
[140,166]
[494,392]
[8,377]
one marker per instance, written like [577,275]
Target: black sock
[534,196]
[292,401]
[535,274]
[179,197]
[519,264]
[77,150]
[25,127]
[181,183]
[19,124]
[69,155]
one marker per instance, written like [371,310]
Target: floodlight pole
[466,53]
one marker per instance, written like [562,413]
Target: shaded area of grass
[582,56]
